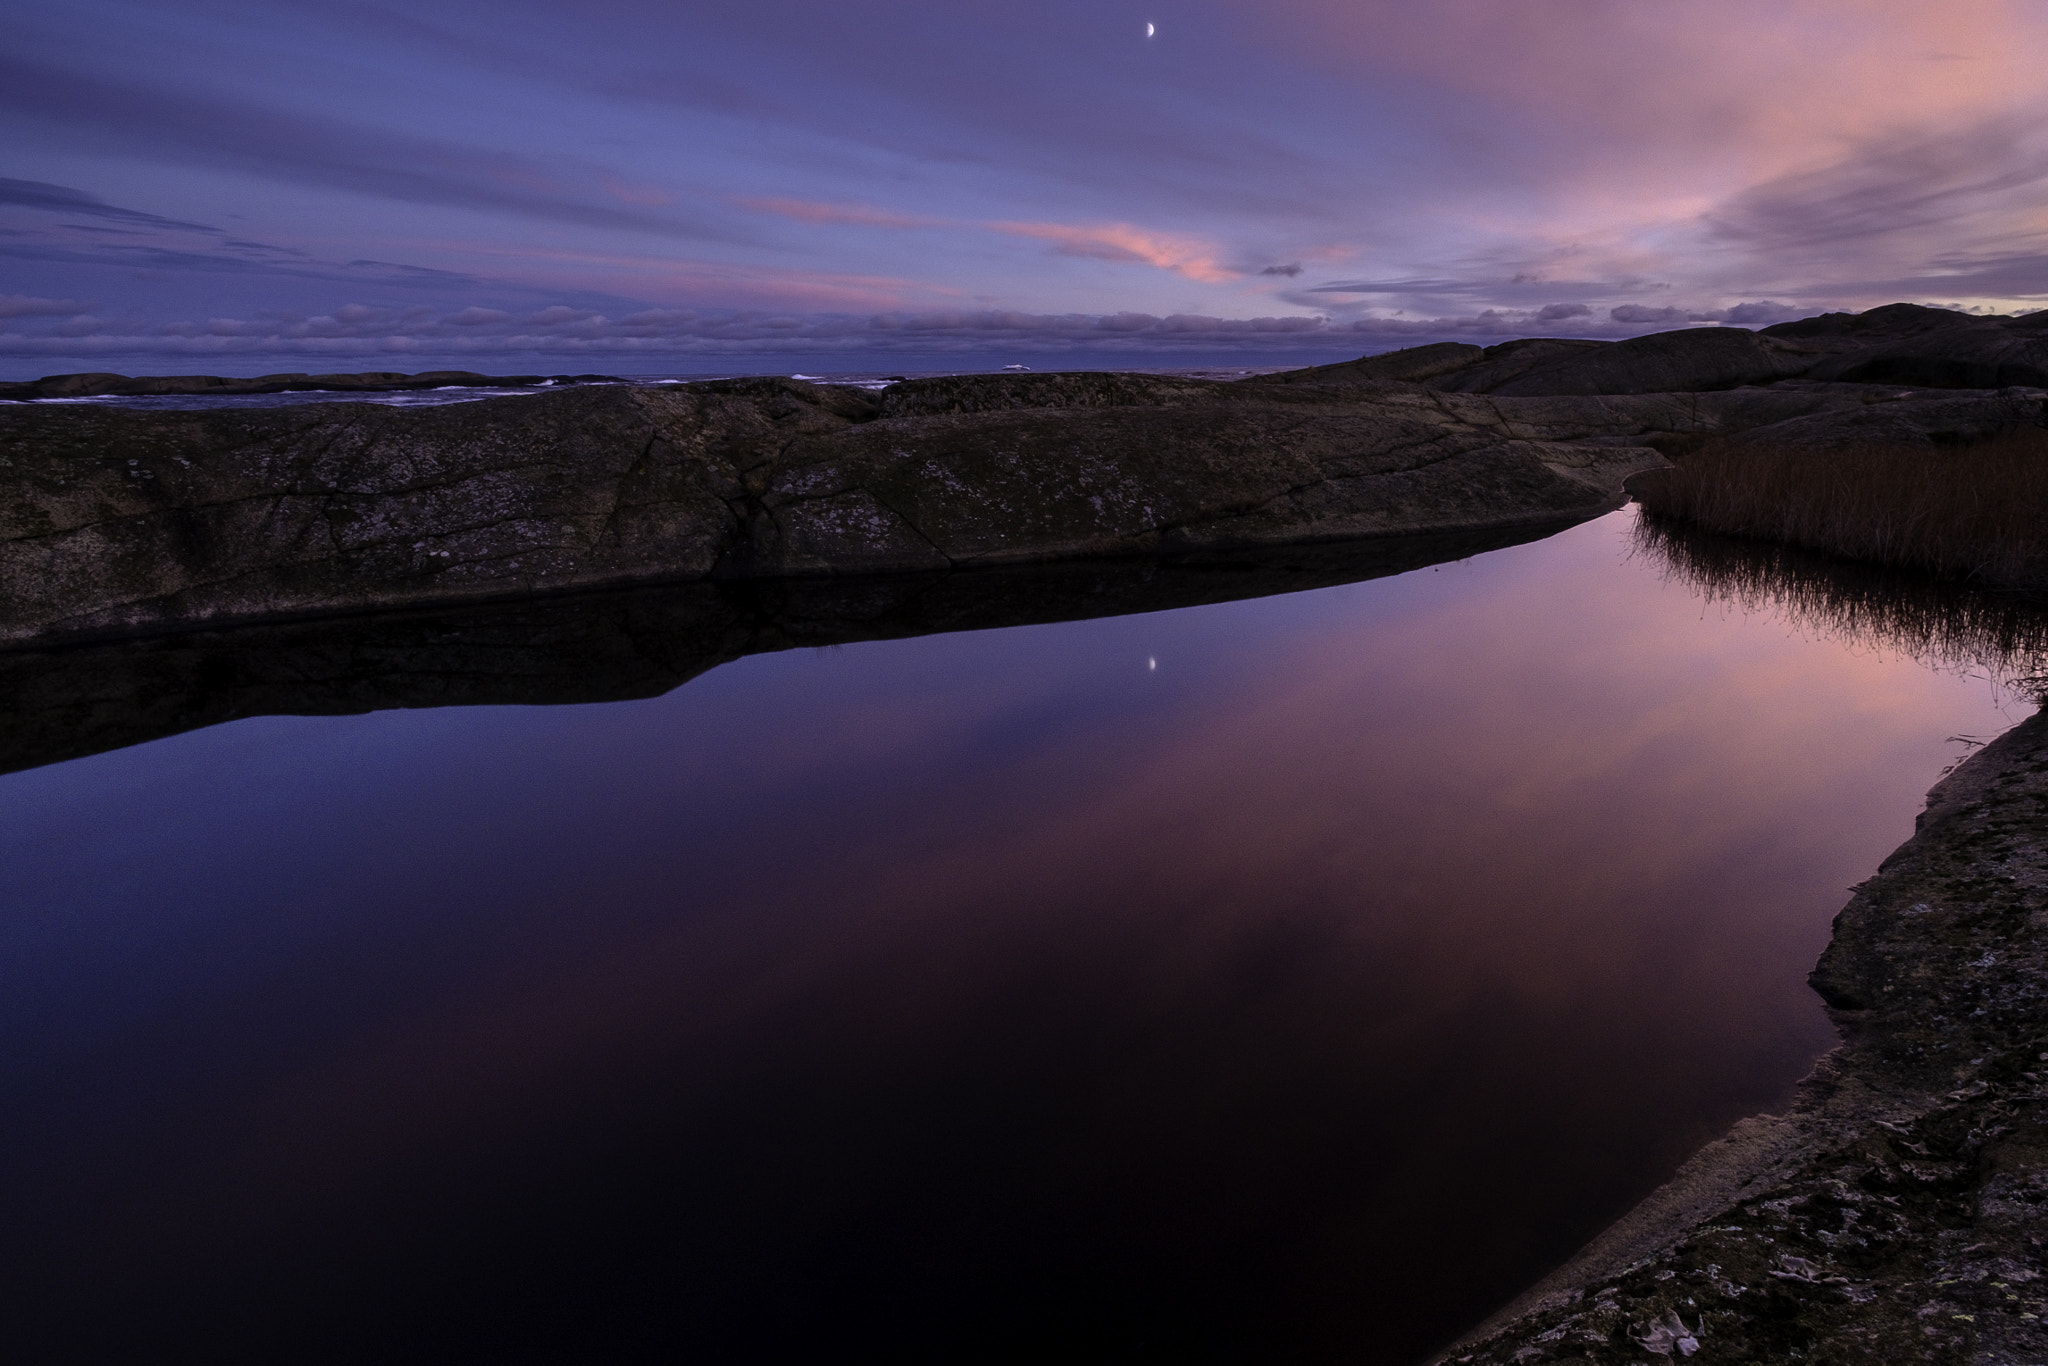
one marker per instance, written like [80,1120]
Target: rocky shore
[116,521]
[1898,1211]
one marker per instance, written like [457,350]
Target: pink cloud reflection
[1597,830]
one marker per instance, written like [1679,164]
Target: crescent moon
[1149,30]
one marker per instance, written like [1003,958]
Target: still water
[1282,980]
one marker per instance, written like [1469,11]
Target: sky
[638,186]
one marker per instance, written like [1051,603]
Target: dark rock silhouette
[1969,354]
[1926,421]
[1848,331]
[1899,344]
[1416,364]
[1701,358]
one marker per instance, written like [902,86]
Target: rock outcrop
[1925,421]
[1935,347]
[120,521]
[1899,1211]
[1699,359]
[1899,344]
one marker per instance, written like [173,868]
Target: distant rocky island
[170,568]
[100,384]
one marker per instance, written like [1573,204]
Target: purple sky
[646,185]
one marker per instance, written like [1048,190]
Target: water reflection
[1942,623]
[82,699]
[994,996]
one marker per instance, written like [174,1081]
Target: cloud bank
[45,326]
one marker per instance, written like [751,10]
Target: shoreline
[603,645]
[1898,1211]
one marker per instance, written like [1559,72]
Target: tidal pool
[1292,979]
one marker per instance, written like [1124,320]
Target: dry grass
[1957,627]
[1977,511]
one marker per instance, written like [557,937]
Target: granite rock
[124,521]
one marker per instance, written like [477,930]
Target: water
[456,393]
[1291,979]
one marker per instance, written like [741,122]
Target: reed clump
[1970,511]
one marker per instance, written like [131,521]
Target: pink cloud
[1193,257]
[1775,83]
[1631,135]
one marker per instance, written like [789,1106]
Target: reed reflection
[1942,623]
